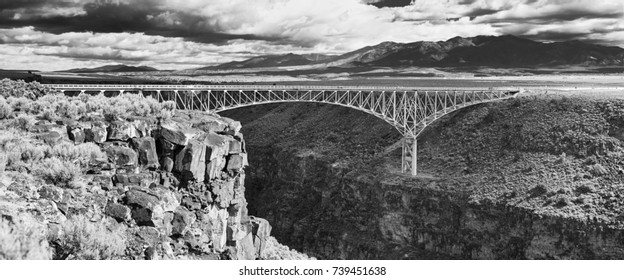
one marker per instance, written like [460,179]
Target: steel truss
[409,111]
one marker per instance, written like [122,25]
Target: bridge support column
[409,161]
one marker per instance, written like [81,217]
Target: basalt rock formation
[174,188]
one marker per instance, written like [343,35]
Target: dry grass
[22,240]
[5,109]
[82,239]
[58,172]
[54,106]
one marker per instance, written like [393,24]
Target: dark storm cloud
[389,3]
[13,4]
[480,12]
[564,15]
[115,17]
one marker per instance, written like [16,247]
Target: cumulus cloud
[180,32]
[549,20]
[86,48]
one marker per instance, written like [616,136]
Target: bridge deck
[98,87]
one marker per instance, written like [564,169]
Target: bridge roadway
[121,87]
[409,110]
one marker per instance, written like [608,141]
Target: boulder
[192,203]
[223,192]
[148,235]
[235,163]
[182,220]
[119,212]
[239,137]
[52,193]
[261,230]
[121,156]
[146,147]
[132,179]
[146,207]
[98,165]
[102,181]
[167,164]
[77,135]
[212,126]
[122,131]
[245,248]
[167,199]
[142,127]
[167,227]
[191,161]
[217,217]
[239,190]
[236,147]
[218,145]
[97,133]
[214,168]
[177,133]
[50,127]
[233,126]
[41,127]
[50,138]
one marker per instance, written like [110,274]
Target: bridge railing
[106,87]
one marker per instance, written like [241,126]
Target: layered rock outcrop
[175,186]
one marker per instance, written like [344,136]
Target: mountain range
[491,51]
[112,68]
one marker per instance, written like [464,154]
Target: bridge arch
[408,110]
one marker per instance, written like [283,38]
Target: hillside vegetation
[552,154]
[36,170]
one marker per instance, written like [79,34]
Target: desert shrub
[19,151]
[85,240]
[23,240]
[20,88]
[48,115]
[19,104]
[598,170]
[5,109]
[538,190]
[51,105]
[9,135]
[586,188]
[3,162]
[561,126]
[81,153]
[24,122]
[58,172]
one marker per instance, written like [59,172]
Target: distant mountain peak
[483,51]
[112,68]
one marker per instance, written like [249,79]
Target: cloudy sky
[182,34]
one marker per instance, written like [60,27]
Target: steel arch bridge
[408,110]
